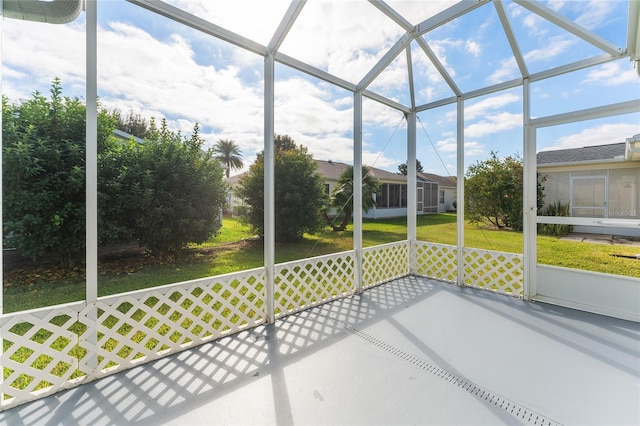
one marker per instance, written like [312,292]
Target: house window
[441,200]
[382,196]
[394,195]
[327,189]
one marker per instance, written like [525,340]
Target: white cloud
[507,70]
[481,108]
[598,135]
[594,12]
[555,46]
[613,74]
[493,123]
[472,47]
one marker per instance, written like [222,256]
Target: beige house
[597,181]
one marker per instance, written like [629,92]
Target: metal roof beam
[385,61]
[437,104]
[448,15]
[410,76]
[386,101]
[620,108]
[436,63]
[285,25]
[574,66]
[633,31]
[392,14]
[570,26]
[190,20]
[315,72]
[506,25]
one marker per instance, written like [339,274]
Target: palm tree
[342,196]
[228,153]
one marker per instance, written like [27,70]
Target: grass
[234,250]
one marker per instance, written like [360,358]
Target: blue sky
[151,65]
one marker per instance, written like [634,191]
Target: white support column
[357,189]
[530,197]
[89,339]
[1,191]
[269,185]
[412,187]
[91,287]
[460,190]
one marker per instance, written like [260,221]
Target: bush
[44,175]
[299,192]
[555,209]
[164,193]
[494,192]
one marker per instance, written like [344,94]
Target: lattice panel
[140,327]
[384,263]
[305,283]
[438,261]
[495,271]
[41,355]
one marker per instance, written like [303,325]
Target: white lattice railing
[494,270]
[384,263]
[51,349]
[438,261]
[302,284]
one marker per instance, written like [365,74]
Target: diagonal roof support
[285,25]
[392,14]
[633,31]
[448,15]
[570,26]
[436,63]
[385,61]
[506,25]
[410,75]
[190,20]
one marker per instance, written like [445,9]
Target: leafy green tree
[44,174]
[132,123]
[494,192]
[229,154]
[164,193]
[299,192]
[402,168]
[342,195]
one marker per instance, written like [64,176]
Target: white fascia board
[436,63]
[572,27]
[313,71]
[392,14]
[574,66]
[190,20]
[448,15]
[588,114]
[633,30]
[386,101]
[515,49]
[385,61]
[285,25]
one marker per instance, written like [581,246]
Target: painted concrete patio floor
[414,351]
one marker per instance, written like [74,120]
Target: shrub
[555,209]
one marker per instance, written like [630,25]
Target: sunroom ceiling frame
[416,33]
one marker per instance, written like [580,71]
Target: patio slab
[414,351]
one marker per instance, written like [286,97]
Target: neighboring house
[597,181]
[447,190]
[391,200]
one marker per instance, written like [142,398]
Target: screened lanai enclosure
[367,83]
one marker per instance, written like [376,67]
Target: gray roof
[332,170]
[443,181]
[611,152]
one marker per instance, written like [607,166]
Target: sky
[153,66]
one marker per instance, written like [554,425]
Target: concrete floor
[414,351]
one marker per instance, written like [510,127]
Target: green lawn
[223,254]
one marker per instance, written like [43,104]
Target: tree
[342,195]
[133,123]
[228,153]
[44,175]
[493,192]
[164,193]
[402,168]
[299,192]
